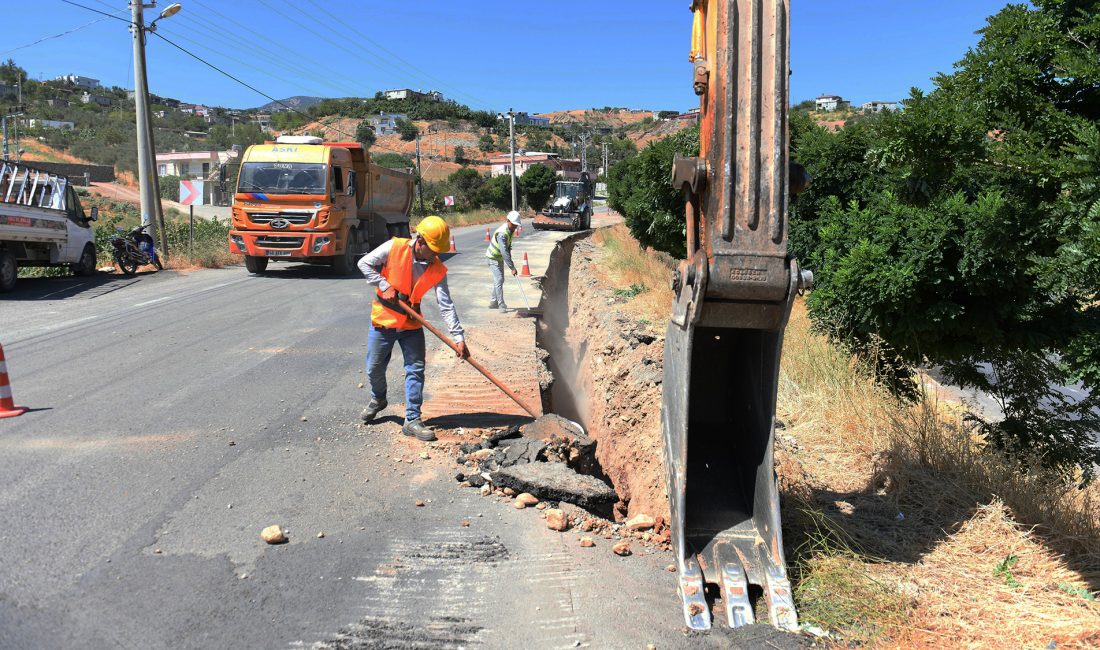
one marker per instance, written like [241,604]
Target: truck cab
[299,199]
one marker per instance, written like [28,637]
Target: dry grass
[642,274]
[471,218]
[918,519]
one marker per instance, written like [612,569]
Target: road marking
[154,301]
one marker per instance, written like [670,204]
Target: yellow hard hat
[436,233]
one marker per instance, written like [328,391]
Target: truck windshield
[567,189]
[282,178]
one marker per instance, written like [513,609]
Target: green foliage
[364,134]
[170,188]
[640,189]
[406,129]
[664,115]
[537,185]
[1003,570]
[392,160]
[963,230]
[466,184]
[11,73]
[497,192]
[485,144]
[460,153]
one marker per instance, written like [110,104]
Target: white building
[830,103]
[386,123]
[568,168]
[50,124]
[409,93]
[89,98]
[190,165]
[878,107]
[87,83]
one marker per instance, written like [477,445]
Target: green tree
[640,189]
[962,230]
[365,135]
[391,160]
[497,192]
[460,153]
[537,184]
[11,73]
[406,129]
[466,183]
[485,144]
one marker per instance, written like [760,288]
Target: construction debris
[622,548]
[556,520]
[556,482]
[526,498]
[587,542]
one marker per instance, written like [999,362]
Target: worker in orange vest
[406,269]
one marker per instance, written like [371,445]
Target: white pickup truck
[42,224]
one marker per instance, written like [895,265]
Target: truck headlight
[320,243]
[239,242]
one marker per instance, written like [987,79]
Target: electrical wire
[47,38]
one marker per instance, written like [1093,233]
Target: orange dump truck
[300,199]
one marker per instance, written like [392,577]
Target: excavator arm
[733,296]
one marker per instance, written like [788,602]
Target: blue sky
[488,54]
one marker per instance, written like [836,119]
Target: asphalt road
[176,415]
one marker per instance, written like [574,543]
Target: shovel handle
[454,346]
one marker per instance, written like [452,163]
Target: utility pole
[11,112]
[605,160]
[19,85]
[147,170]
[419,190]
[512,141]
[584,151]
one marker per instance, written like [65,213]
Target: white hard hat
[513,216]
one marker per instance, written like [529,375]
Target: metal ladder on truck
[733,296]
[43,189]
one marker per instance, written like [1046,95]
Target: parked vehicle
[42,224]
[300,199]
[571,207]
[135,249]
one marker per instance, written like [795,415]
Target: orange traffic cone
[8,409]
[525,270]
[453,249]
[487,237]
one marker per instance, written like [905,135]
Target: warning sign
[448,200]
[191,192]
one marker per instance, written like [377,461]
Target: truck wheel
[85,266]
[255,264]
[344,264]
[9,271]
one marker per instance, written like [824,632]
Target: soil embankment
[604,371]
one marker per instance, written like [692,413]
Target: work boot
[493,305]
[417,428]
[373,409]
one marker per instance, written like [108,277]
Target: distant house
[262,120]
[190,165]
[830,103]
[89,98]
[87,83]
[532,120]
[57,103]
[409,93]
[565,167]
[386,123]
[50,124]
[878,107]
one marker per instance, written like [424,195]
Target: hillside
[299,102]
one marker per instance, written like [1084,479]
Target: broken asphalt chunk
[556,482]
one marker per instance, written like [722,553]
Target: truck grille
[295,218]
[280,242]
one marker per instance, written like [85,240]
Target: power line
[102,13]
[47,38]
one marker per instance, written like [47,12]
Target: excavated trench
[602,369]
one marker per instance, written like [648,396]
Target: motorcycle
[134,249]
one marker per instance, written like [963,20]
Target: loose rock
[640,522]
[320,535]
[419,503]
[556,482]
[622,548]
[273,535]
[556,520]
[486,489]
[587,542]
[527,499]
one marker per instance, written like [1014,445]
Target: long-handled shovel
[528,311]
[454,346]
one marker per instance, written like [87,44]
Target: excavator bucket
[733,297]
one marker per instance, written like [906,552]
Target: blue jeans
[379,349]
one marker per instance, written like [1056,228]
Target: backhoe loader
[733,296]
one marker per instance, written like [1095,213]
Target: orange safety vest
[398,272]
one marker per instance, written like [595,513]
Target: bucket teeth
[735,591]
[780,600]
[693,592]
